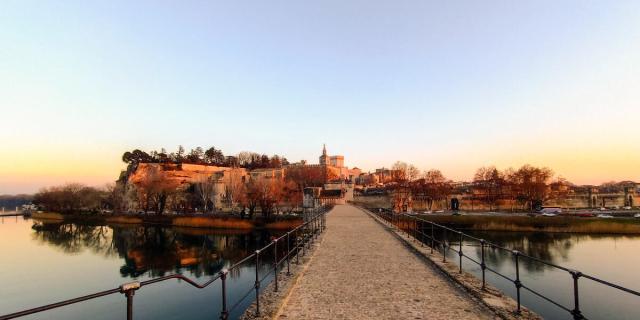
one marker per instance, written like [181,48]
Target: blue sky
[452,85]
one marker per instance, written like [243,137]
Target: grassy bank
[47,216]
[540,224]
[185,221]
[213,222]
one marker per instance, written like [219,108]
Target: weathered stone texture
[361,271]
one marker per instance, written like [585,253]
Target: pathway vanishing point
[362,271]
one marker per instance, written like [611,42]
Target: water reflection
[605,256]
[550,247]
[154,250]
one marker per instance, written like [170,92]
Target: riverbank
[538,224]
[184,221]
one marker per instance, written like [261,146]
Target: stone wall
[377,201]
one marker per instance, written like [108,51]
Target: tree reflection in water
[154,250]
[546,246]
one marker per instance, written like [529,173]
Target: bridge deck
[361,271]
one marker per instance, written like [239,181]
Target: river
[44,263]
[613,258]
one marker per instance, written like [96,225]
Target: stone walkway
[361,271]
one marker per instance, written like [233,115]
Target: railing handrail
[394,219]
[316,222]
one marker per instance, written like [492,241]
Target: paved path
[361,271]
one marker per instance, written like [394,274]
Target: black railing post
[421,228]
[304,240]
[460,252]
[483,266]
[518,284]
[577,314]
[288,253]
[405,225]
[444,245]
[415,228]
[129,290]
[313,227]
[297,248]
[257,283]
[275,262]
[309,235]
[129,294]
[324,221]
[224,314]
[433,242]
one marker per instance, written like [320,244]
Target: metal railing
[302,237]
[424,231]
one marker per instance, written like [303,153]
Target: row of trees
[158,192]
[210,156]
[72,198]
[527,186]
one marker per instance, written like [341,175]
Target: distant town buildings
[331,182]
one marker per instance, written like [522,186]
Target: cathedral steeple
[324,159]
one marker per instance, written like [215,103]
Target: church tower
[324,159]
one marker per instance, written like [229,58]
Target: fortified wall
[475,203]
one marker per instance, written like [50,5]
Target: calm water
[608,257]
[45,263]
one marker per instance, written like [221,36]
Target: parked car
[555,210]
[637,215]
[627,208]
[585,214]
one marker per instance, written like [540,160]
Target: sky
[452,85]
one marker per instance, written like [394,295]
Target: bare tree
[433,187]
[205,188]
[403,172]
[236,189]
[529,185]
[153,189]
[490,182]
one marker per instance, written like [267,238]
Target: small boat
[548,214]
[605,216]
[637,215]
